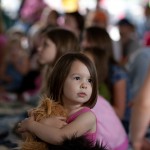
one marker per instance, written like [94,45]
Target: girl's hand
[24,125]
[57,122]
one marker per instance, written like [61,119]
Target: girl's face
[78,85]
[47,51]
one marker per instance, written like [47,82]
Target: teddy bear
[46,108]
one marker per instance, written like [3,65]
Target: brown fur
[47,108]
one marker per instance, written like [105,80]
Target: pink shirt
[90,136]
[109,128]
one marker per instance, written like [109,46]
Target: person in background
[129,41]
[140,119]
[146,23]
[11,78]
[54,43]
[29,13]
[31,81]
[52,18]
[97,17]
[137,68]
[74,21]
[138,64]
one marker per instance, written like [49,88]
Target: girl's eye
[77,78]
[90,80]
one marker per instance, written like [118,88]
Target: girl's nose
[83,86]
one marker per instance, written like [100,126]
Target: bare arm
[119,90]
[82,124]
[140,118]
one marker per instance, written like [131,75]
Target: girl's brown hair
[60,72]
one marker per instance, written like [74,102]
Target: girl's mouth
[81,94]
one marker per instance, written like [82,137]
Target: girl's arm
[119,97]
[57,122]
[84,123]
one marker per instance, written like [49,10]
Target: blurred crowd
[40,35]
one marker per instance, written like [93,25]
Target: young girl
[54,43]
[73,83]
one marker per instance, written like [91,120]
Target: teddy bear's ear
[49,104]
[46,104]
